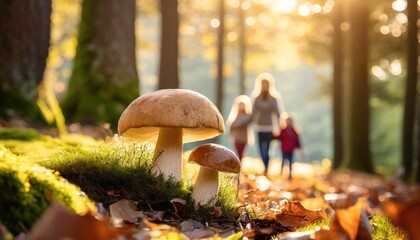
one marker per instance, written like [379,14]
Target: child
[289,139]
[238,123]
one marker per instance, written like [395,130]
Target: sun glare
[284,6]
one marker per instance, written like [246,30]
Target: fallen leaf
[353,221]
[190,225]
[60,223]
[404,214]
[295,215]
[313,203]
[307,235]
[4,233]
[200,233]
[126,210]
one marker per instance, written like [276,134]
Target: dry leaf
[405,215]
[126,210]
[295,215]
[200,233]
[313,203]
[307,235]
[60,223]
[353,221]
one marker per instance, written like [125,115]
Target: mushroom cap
[173,108]
[216,157]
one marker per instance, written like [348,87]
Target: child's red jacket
[289,140]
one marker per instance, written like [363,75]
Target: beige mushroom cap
[216,157]
[174,108]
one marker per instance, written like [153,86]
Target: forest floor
[315,204]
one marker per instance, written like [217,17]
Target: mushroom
[170,117]
[212,158]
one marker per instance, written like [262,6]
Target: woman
[266,109]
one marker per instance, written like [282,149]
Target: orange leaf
[59,223]
[410,221]
[295,215]
[353,221]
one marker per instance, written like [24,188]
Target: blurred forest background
[347,69]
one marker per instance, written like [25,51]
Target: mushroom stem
[206,186]
[168,153]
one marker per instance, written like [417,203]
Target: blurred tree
[24,41]
[104,79]
[337,84]
[357,153]
[242,49]
[417,157]
[220,56]
[410,89]
[168,69]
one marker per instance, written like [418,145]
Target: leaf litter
[268,207]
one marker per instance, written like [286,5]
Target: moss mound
[23,134]
[28,189]
[122,167]
[98,167]
[126,168]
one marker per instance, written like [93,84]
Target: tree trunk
[417,157]
[168,70]
[357,153]
[410,90]
[242,48]
[338,58]
[24,41]
[220,56]
[104,79]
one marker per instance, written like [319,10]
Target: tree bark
[220,56]
[410,90]
[104,79]
[337,85]
[24,41]
[417,153]
[168,69]
[357,154]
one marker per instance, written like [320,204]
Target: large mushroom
[170,117]
[212,158]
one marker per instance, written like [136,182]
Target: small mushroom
[170,117]
[212,158]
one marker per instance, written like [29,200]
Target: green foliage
[28,189]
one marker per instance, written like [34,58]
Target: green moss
[115,166]
[320,223]
[384,229]
[228,194]
[31,143]
[98,167]
[22,134]
[27,190]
